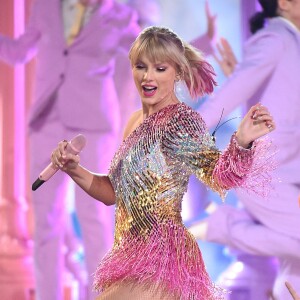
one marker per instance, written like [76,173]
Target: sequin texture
[150,174]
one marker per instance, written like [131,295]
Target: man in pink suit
[76,92]
[268,73]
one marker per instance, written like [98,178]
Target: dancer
[154,256]
[269,71]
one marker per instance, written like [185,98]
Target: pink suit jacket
[82,74]
[268,73]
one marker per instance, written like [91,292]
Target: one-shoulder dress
[153,250]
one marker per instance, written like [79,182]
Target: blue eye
[161,69]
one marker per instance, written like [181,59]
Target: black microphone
[74,147]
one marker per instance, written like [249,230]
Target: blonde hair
[162,44]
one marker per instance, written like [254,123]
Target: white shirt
[69,13]
[290,23]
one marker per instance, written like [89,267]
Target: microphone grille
[78,142]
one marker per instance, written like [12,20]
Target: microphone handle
[50,170]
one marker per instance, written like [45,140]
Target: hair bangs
[154,48]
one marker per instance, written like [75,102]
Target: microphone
[74,147]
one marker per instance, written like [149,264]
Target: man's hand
[292,291]
[226,57]
[211,22]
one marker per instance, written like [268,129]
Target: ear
[178,76]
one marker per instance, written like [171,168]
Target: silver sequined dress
[150,174]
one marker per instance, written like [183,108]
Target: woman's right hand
[63,160]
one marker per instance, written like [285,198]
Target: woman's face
[154,82]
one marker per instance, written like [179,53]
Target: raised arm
[23,48]
[241,165]
[97,186]
[246,161]
[205,42]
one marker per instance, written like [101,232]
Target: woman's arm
[247,161]
[241,165]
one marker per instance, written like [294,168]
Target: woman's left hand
[257,123]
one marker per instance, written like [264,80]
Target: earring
[176,85]
[178,77]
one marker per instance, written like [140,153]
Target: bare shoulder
[134,121]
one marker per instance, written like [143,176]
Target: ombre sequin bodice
[150,173]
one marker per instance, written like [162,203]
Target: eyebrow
[139,61]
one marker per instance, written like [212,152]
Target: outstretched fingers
[211,22]
[225,57]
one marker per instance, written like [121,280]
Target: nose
[148,75]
